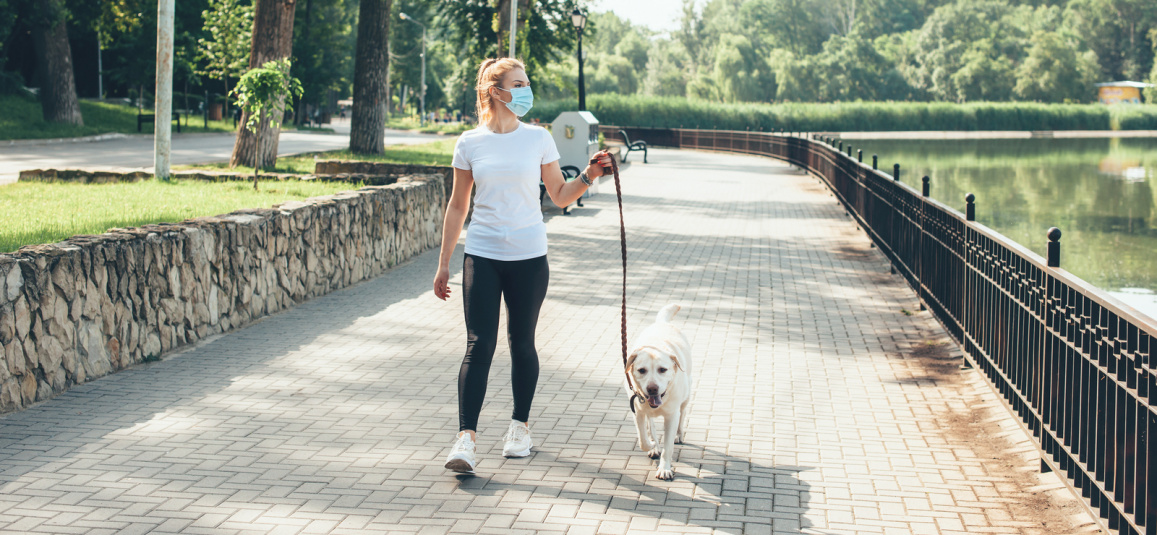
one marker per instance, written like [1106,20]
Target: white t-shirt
[507,221]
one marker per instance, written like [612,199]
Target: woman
[505,246]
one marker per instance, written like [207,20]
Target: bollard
[1054,247]
[970,207]
[841,145]
[849,151]
[896,172]
[874,162]
[925,180]
[860,155]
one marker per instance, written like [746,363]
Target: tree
[272,40]
[7,22]
[261,94]
[54,56]
[789,24]
[797,77]
[966,50]
[740,73]
[1116,31]
[368,124]
[667,72]
[502,23]
[633,47]
[1151,92]
[225,52]
[323,63]
[546,37]
[1055,71]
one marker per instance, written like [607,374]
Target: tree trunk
[272,40]
[54,57]
[302,114]
[368,123]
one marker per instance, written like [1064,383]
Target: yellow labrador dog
[659,381]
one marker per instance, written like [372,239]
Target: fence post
[860,155]
[874,162]
[970,207]
[1054,247]
[841,145]
[925,180]
[896,172]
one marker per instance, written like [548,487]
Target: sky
[659,15]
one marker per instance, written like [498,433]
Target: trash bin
[576,134]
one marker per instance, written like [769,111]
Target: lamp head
[578,18]
[405,16]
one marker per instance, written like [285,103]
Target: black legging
[522,283]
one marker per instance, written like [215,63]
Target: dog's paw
[665,473]
[655,452]
[678,439]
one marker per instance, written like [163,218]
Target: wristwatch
[583,177]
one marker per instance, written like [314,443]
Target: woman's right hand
[442,284]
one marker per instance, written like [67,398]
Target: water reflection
[1100,192]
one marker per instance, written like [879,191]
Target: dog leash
[614,169]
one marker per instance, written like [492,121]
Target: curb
[85,139]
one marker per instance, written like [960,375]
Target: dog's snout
[652,389]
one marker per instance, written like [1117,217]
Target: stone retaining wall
[341,168]
[85,176]
[368,173]
[92,305]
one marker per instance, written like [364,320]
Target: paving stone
[814,411]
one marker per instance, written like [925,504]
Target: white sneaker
[461,458]
[518,442]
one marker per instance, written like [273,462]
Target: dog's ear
[675,359]
[631,360]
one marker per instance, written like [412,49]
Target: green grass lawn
[34,212]
[439,152]
[411,123]
[23,119]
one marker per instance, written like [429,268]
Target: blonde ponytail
[490,74]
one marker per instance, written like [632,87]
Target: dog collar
[635,393]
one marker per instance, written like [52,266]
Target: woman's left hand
[596,171]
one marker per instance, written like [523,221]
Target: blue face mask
[521,100]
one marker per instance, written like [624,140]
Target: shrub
[676,112]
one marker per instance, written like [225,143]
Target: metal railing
[1074,364]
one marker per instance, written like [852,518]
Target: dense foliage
[680,112]
[842,50]
[724,51]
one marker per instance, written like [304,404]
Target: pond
[1101,193]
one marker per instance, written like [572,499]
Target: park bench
[143,118]
[569,172]
[630,147]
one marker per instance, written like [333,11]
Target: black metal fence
[1077,366]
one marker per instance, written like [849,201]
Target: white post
[163,109]
[513,24]
[422,100]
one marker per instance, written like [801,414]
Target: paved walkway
[825,403]
[135,152]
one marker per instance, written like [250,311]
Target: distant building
[1120,92]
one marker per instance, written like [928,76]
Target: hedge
[675,112]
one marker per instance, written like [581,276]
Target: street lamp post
[422,88]
[580,21]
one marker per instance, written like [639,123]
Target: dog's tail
[668,312]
